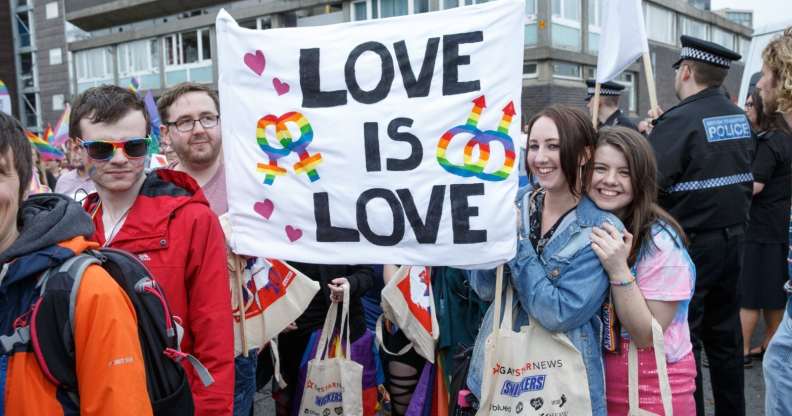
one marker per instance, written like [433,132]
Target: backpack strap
[75,267]
[19,336]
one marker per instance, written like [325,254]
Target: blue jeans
[777,366]
[244,382]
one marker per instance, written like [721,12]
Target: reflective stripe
[711,183]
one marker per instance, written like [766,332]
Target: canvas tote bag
[333,386]
[408,301]
[531,372]
[662,373]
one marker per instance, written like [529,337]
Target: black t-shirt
[535,226]
[770,208]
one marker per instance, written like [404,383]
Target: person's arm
[763,165]
[359,280]
[635,312]
[109,360]
[570,301]
[209,303]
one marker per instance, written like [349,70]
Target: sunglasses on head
[133,148]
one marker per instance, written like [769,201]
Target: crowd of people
[679,230]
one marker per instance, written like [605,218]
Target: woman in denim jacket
[557,278]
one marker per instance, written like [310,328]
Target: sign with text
[376,142]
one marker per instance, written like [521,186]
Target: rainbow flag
[3,88]
[151,108]
[134,84]
[46,150]
[61,133]
[5,99]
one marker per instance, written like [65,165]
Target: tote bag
[408,301]
[531,372]
[662,374]
[333,386]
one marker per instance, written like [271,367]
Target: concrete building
[168,41]
[701,4]
[743,17]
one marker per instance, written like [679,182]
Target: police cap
[695,49]
[609,88]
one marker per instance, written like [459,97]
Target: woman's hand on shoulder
[613,249]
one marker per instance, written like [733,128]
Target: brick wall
[52,79]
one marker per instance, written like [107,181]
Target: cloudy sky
[765,11]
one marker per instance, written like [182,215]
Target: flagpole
[239,266]
[650,80]
[595,106]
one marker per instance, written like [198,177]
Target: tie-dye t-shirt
[665,272]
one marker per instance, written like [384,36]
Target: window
[566,70]
[530,70]
[660,24]
[23,29]
[359,10]
[594,25]
[630,92]
[723,38]
[188,57]
[94,67]
[694,28]
[52,10]
[55,56]
[447,4]
[139,59]
[566,24]
[531,28]
[30,111]
[57,102]
[745,46]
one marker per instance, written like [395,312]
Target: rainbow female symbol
[307,163]
[481,139]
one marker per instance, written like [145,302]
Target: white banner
[375,142]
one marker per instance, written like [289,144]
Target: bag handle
[323,347]
[378,332]
[662,373]
[496,307]
[327,329]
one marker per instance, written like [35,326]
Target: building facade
[743,17]
[162,43]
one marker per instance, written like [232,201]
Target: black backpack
[52,318]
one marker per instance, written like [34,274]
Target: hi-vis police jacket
[704,148]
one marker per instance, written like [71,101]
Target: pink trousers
[681,377]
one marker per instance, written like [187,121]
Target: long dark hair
[576,136]
[643,211]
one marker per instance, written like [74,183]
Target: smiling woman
[16,167]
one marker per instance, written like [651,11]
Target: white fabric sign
[622,39]
[385,141]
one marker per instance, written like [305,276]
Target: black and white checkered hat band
[699,55]
[604,91]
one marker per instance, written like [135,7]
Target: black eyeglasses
[748,104]
[187,125]
[135,147]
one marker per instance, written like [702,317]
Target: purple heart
[255,61]
[280,86]
[264,208]
[293,233]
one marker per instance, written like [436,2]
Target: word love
[403,210]
[415,86]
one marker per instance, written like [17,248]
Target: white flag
[623,37]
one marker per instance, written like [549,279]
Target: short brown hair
[777,56]
[576,137]
[172,94]
[12,136]
[706,74]
[105,104]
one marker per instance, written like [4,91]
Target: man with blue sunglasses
[165,220]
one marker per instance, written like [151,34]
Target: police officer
[704,148]
[609,113]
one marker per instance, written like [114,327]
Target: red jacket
[172,230]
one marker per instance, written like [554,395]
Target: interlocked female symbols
[482,140]
[307,163]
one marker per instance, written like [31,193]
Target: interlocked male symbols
[482,140]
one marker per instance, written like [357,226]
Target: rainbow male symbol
[306,164]
[481,139]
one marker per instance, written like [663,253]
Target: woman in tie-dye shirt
[651,275]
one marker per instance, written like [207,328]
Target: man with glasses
[164,220]
[191,124]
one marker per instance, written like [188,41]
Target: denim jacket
[563,290]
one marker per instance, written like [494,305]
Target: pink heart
[280,86]
[264,208]
[255,61]
[293,233]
